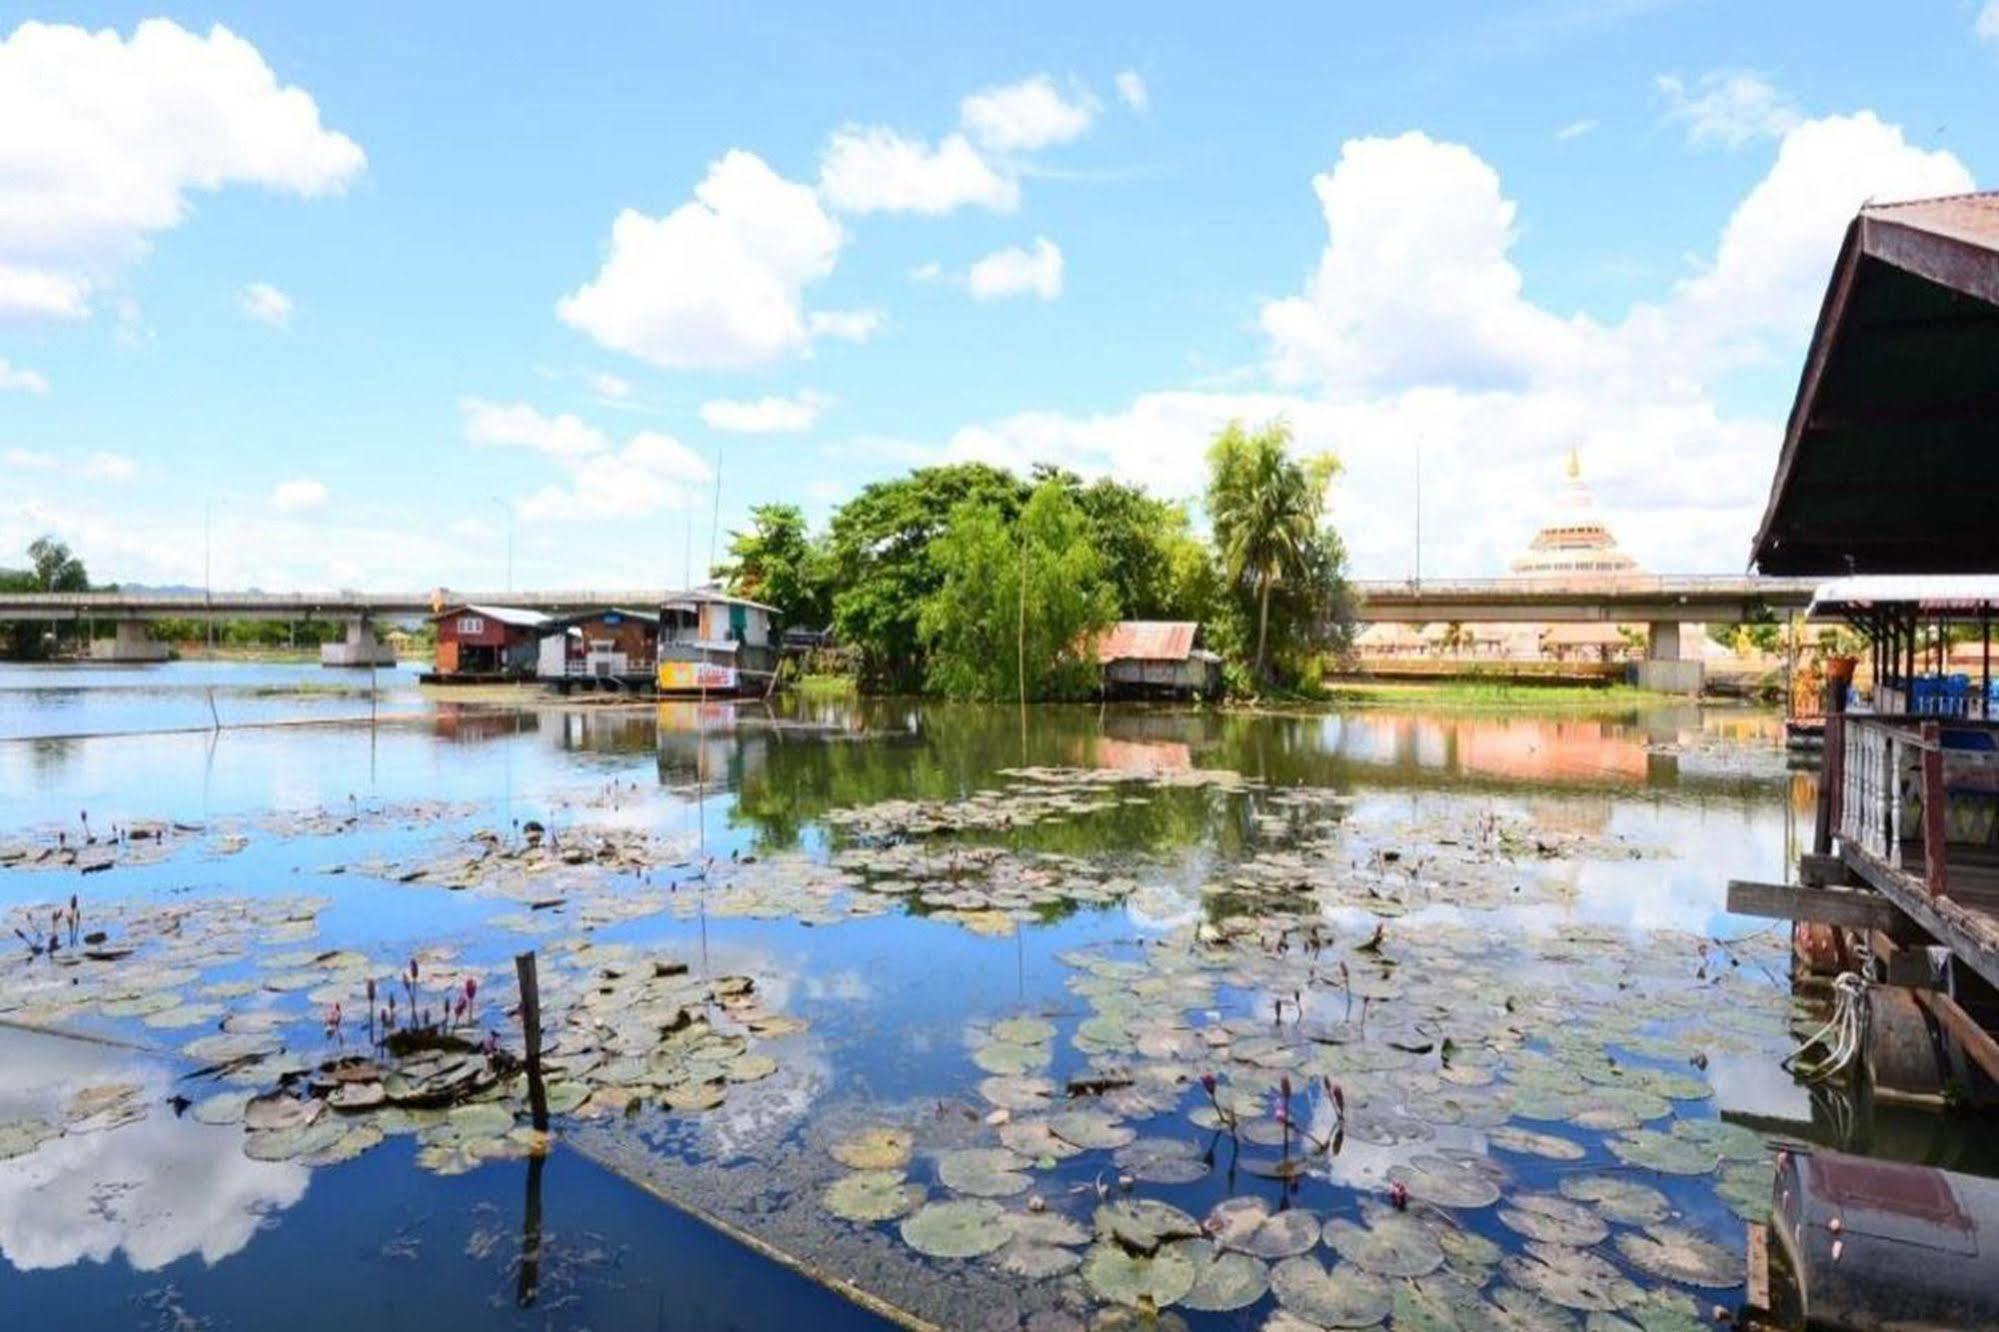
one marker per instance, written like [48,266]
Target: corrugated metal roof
[513,615]
[1929,593]
[1147,640]
[1971,218]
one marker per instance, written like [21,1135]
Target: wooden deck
[1965,920]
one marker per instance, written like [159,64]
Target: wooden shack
[614,648]
[481,644]
[713,643]
[1157,659]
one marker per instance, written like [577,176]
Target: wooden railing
[1893,780]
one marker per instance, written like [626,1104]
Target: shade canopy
[1889,458]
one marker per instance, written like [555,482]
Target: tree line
[973,583]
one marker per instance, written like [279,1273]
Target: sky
[296,297]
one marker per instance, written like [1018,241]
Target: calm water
[1632,824]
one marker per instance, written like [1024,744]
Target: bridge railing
[1621,585]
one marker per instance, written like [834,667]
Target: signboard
[691,677]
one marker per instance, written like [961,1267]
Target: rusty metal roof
[1147,640]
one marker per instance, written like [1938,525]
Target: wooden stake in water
[531,1038]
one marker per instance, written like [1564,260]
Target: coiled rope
[1840,1037]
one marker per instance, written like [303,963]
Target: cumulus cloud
[98,466]
[299,495]
[719,282]
[106,137]
[20,379]
[874,169]
[1132,92]
[649,472]
[102,466]
[1034,113]
[266,304]
[517,425]
[845,325]
[610,386]
[1728,107]
[764,416]
[1986,25]
[1415,337]
[1575,129]
[1017,272]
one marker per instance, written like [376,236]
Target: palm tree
[1265,509]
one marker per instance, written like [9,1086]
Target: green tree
[1157,567]
[1265,508]
[1019,603]
[51,568]
[882,569]
[774,562]
[56,569]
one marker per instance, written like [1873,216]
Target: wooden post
[531,1037]
[1832,779]
[1935,871]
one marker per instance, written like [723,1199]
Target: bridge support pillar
[1663,671]
[361,647]
[131,640]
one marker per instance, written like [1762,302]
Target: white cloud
[1986,25]
[717,283]
[266,304]
[1020,117]
[764,416]
[1415,336]
[651,472]
[518,425]
[299,495]
[108,467]
[845,325]
[20,379]
[928,271]
[34,293]
[94,467]
[1132,92]
[1575,129]
[1017,272]
[610,386]
[104,138]
[1728,107]
[873,169]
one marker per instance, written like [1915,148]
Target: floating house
[613,648]
[1157,659]
[712,643]
[482,644]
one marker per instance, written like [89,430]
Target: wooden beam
[1759,1267]
[1972,936]
[1977,1042]
[1818,869]
[1847,907]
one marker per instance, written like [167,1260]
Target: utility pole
[207,579]
[1419,513]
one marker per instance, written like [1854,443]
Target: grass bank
[1490,695]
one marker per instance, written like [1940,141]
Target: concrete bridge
[129,613]
[1660,602]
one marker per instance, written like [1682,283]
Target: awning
[1960,596]
[1887,459]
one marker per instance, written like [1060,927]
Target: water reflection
[153,1191]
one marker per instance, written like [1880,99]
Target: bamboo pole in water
[531,1037]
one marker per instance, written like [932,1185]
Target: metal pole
[507,509]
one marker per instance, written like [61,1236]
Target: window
[471,625]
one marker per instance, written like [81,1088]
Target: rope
[1840,1037]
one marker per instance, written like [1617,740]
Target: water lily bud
[1398,1195]
[1208,1083]
[1284,1084]
[471,987]
[1036,1203]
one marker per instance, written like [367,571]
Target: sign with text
[693,676]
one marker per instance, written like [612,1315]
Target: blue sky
[354,284]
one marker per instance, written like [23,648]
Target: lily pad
[1342,1297]
[1529,1142]
[1144,1224]
[1679,1254]
[961,1228]
[1554,1220]
[1118,1276]
[285,1143]
[1161,1160]
[1023,1031]
[1446,1183]
[881,1148]
[18,1137]
[1391,1244]
[983,1172]
[1247,1224]
[1622,1200]
[872,1195]
[1223,1279]
[1573,1278]
[1663,1152]
[278,1110]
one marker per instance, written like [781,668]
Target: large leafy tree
[774,562]
[1020,602]
[1266,508]
[1158,568]
[880,561]
[51,568]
